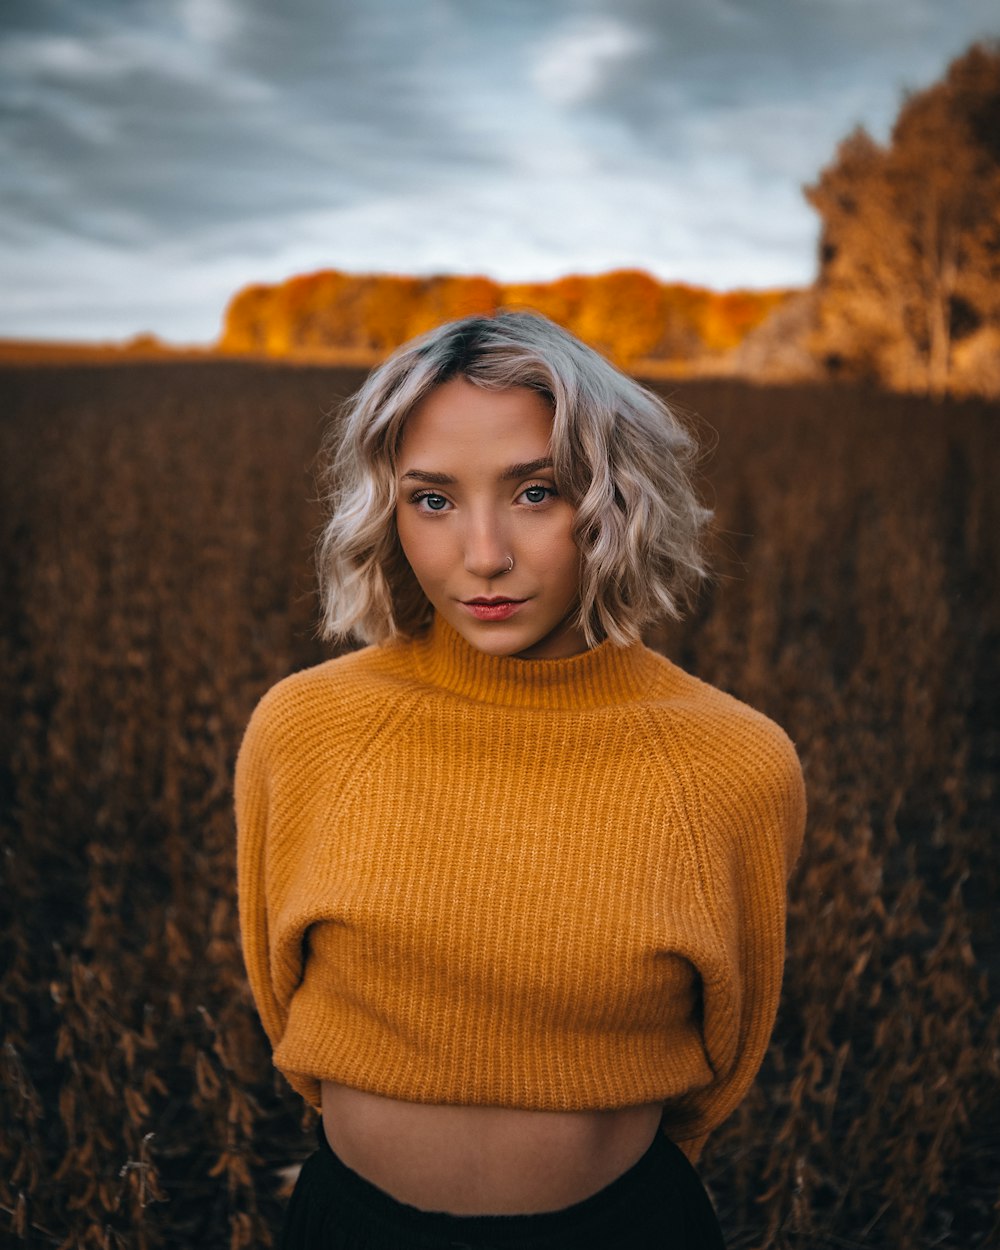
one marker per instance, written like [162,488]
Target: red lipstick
[497,609]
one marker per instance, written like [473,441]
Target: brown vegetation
[51,352]
[909,284]
[627,314]
[157,520]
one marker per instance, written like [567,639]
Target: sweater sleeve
[753,827]
[252,799]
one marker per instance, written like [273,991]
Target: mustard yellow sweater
[546,884]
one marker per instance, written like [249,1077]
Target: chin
[493,643]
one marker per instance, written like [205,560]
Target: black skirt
[659,1202]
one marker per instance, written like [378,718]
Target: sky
[157,155]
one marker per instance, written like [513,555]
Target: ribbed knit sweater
[545,884]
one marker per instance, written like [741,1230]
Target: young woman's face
[475,490]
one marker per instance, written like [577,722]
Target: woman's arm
[752,822]
[251,794]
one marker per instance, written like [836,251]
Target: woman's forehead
[460,421]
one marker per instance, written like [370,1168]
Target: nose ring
[510,563]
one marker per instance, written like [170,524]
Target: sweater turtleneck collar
[606,674]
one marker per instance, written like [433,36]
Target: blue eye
[537,494]
[435,503]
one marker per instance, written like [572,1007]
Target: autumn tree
[627,314]
[622,315]
[246,320]
[909,284]
[447,297]
[562,300]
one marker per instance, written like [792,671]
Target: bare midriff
[483,1160]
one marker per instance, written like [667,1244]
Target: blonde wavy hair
[619,454]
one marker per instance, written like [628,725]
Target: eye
[539,494]
[435,503]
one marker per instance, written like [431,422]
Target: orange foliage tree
[626,314]
[909,286]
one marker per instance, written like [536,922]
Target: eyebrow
[510,474]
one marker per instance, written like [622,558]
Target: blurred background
[158,158]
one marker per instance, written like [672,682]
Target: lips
[492,609]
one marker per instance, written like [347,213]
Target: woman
[511,884]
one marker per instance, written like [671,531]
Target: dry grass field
[157,523]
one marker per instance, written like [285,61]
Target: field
[157,521]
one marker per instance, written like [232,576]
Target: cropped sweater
[544,884]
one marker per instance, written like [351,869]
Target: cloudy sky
[156,155]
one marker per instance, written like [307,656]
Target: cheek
[571,572]
[419,546]
[404,532]
[558,555]
[408,531]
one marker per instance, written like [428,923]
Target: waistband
[645,1187]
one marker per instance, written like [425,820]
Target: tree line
[627,314]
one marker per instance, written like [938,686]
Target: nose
[486,547]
